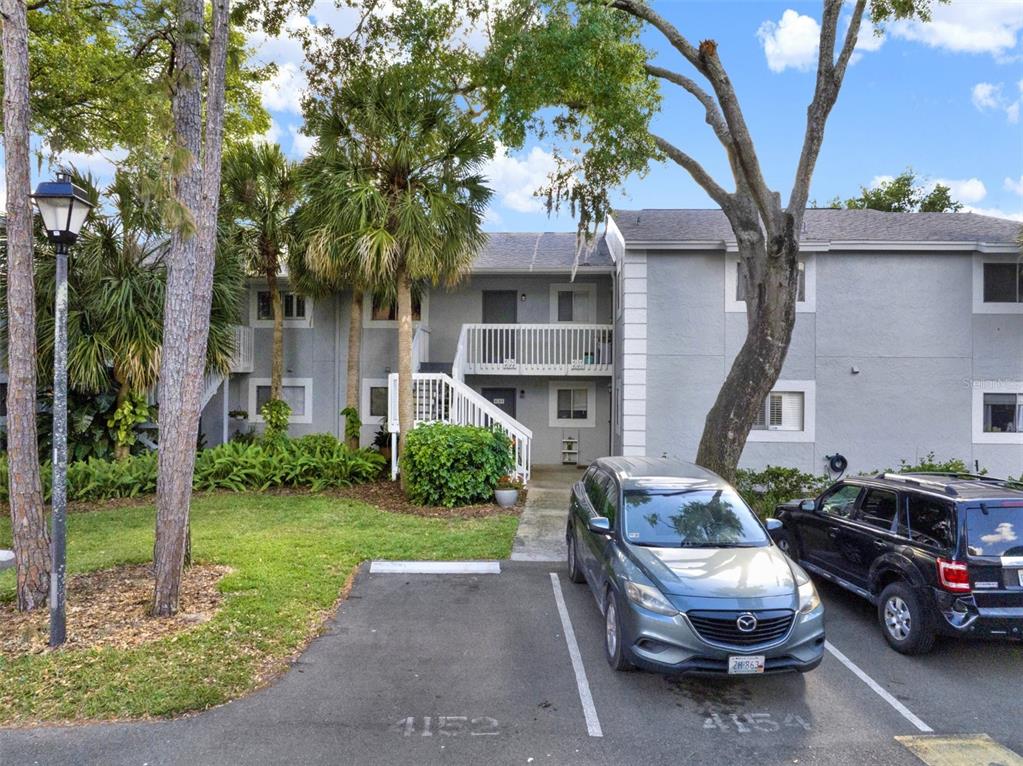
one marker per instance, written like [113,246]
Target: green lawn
[290,555]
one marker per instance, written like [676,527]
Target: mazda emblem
[746,623]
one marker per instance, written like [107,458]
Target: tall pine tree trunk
[405,410]
[352,390]
[277,353]
[189,290]
[28,521]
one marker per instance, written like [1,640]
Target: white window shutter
[792,411]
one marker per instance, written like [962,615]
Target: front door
[499,307]
[504,398]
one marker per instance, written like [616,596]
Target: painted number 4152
[744,723]
[447,726]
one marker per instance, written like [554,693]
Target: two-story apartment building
[908,339]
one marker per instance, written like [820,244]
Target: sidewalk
[541,533]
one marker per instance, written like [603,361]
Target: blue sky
[942,98]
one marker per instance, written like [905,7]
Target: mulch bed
[387,496]
[110,608]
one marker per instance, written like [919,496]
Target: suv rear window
[996,532]
[928,521]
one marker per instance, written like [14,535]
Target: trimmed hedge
[453,465]
[315,462]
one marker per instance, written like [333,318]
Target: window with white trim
[297,309]
[998,283]
[297,392]
[374,400]
[781,411]
[574,303]
[787,413]
[572,405]
[382,313]
[998,411]
[806,290]
[1003,413]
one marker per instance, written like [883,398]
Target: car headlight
[648,597]
[808,598]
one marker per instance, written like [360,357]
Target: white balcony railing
[534,349]
[244,358]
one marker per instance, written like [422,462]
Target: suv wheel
[575,574]
[613,638]
[905,622]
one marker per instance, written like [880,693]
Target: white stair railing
[439,398]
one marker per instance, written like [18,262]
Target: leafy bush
[453,465]
[930,464]
[315,462]
[127,417]
[353,424]
[765,489]
[276,414]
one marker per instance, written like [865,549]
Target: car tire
[613,644]
[905,621]
[575,574]
[786,541]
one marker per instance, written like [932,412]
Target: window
[297,309]
[998,283]
[1003,413]
[572,405]
[879,508]
[1003,282]
[381,313]
[787,414]
[603,494]
[297,392]
[374,401]
[998,412]
[740,283]
[928,521]
[690,518]
[841,501]
[573,303]
[806,289]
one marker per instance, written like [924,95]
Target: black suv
[936,553]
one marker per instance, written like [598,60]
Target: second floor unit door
[500,307]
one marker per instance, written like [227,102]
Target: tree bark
[277,353]
[28,521]
[354,384]
[405,411]
[189,290]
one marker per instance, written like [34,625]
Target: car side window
[928,521]
[840,502]
[609,507]
[594,490]
[879,508]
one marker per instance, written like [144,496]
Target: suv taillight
[953,576]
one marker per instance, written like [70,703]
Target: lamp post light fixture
[64,208]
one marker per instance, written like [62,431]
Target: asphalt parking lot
[478,668]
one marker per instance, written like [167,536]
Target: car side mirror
[773,525]
[808,505]
[600,525]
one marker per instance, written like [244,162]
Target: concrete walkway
[541,534]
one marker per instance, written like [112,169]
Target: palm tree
[393,193]
[258,195]
[116,284]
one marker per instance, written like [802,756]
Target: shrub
[276,413]
[453,465]
[314,462]
[765,489]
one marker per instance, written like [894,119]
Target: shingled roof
[821,225]
[540,252]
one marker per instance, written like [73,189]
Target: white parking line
[435,567]
[589,711]
[876,687]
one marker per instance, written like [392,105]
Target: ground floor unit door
[503,398]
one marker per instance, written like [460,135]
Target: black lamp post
[64,208]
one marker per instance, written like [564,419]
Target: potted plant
[238,415]
[506,494]
[382,441]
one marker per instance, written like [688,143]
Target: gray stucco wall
[904,320]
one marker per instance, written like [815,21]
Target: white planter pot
[506,498]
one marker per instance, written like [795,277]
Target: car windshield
[691,518]
[995,530]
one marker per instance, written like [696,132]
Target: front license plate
[744,665]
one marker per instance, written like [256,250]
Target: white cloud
[272,134]
[515,180]
[301,144]
[283,92]
[967,26]
[877,181]
[966,190]
[995,212]
[791,42]
[988,96]
[1016,187]
[100,165]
